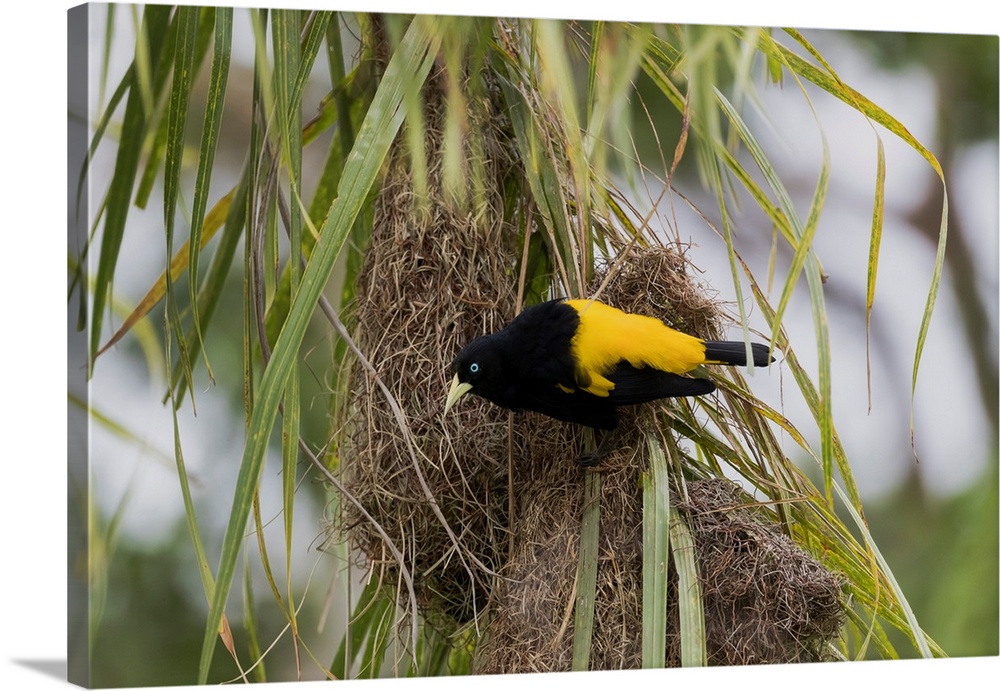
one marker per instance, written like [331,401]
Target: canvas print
[419,345]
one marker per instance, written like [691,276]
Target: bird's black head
[479,369]
[480,364]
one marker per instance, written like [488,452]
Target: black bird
[579,360]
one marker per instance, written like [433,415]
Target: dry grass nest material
[766,600]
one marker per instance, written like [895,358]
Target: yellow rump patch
[607,336]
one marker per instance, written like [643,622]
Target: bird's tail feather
[735,353]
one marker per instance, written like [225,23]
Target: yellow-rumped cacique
[580,360]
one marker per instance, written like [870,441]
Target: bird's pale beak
[457,390]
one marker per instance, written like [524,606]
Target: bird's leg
[591,458]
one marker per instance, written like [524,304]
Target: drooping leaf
[410,64]
[119,198]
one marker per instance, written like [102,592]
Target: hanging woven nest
[486,505]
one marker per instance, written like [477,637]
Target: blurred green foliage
[945,555]
[964,67]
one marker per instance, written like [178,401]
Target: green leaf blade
[655,553]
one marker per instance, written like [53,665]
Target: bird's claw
[589,460]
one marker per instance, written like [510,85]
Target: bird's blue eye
[474,367]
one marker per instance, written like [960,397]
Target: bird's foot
[589,460]
[593,458]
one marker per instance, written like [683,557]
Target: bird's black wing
[632,386]
[638,385]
